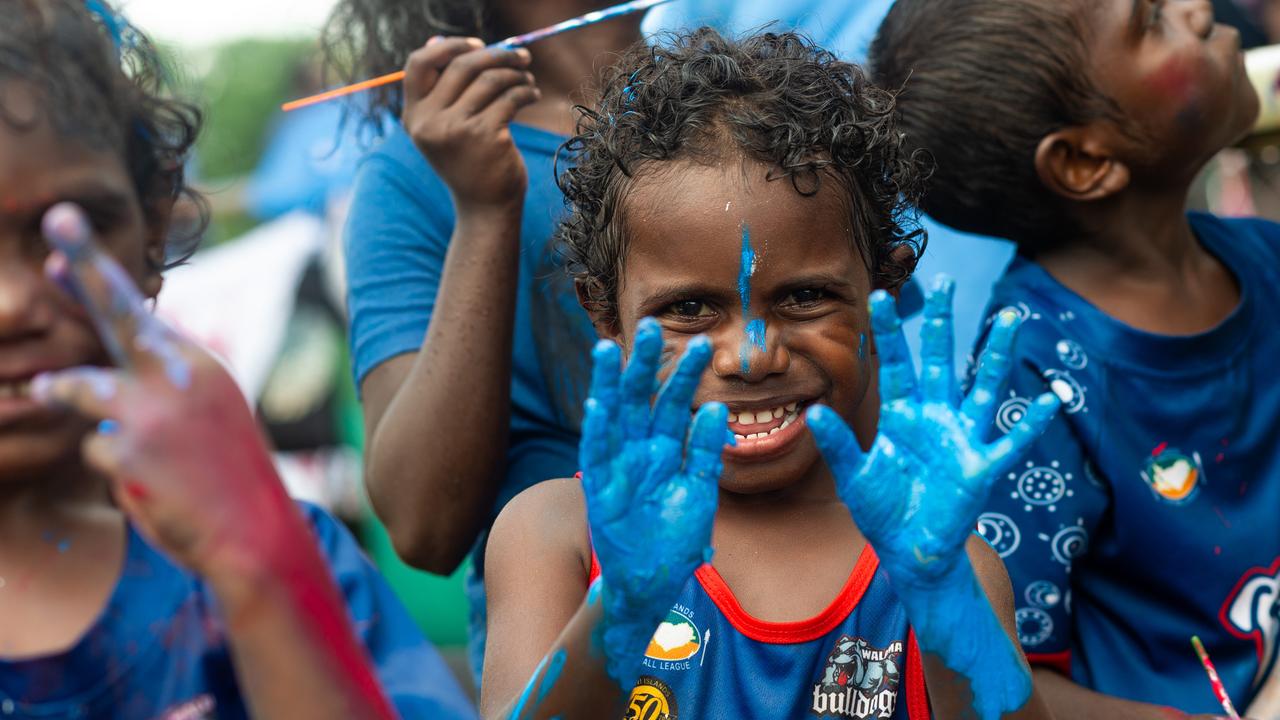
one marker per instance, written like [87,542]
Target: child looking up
[735,202]
[163,572]
[470,350]
[1145,514]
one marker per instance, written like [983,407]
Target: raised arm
[917,496]
[436,419]
[189,466]
[644,486]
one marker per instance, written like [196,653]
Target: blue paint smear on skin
[862,346]
[543,681]
[756,329]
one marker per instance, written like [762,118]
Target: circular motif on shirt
[651,699]
[1034,626]
[1000,532]
[1011,412]
[1072,355]
[1041,486]
[1042,594]
[1069,543]
[1068,390]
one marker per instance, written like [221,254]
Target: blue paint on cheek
[862,346]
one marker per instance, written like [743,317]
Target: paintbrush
[1218,688]
[591,18]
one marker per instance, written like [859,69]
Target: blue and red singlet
[709,659]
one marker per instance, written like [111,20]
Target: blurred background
[266,292]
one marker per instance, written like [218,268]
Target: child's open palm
[651,496]
[918,493]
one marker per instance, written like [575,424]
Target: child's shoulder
[1255,238]
[549,518]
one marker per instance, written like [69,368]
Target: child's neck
[568,65]
[1141,263]
[31,507]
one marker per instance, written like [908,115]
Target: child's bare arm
[648,482]
[1074,701]
[536,571]
[437,420]
[918,494]
[188,464]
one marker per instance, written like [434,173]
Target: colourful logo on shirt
[860,681]
[1250,614]
[651,699]
[675,639]
[1173,475]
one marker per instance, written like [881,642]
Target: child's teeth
[764,416]
[777,412]
[791,407]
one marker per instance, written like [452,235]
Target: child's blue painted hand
[918,493]
[651,496]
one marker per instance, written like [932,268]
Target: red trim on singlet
[1060,661]
[595,568]
[917,693]
[791,632]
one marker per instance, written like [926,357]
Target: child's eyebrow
[94,196]
[1136,14]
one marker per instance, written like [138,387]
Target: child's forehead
[703,218]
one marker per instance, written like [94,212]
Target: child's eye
[807,297]
[689,309]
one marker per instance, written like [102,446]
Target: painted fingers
[937,344]
[897,376]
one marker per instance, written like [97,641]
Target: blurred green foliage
[242,92]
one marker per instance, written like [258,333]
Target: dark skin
[66,493]
[1178,78]
[1179,81]
[437,419]
[779,518]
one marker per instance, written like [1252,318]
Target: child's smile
[775,280]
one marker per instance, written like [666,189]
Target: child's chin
[32,453]
[770,475]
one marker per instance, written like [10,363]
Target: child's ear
[156,240]
[589,297]
[1077,163]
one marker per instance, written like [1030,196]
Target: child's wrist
[953,620]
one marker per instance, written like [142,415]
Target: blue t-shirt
[1147,512]
[857,659]
[159,649]
[398,232]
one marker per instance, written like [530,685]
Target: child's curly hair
[773,97]
[100,82]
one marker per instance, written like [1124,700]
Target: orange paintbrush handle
[387,79]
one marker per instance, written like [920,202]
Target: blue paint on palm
[651,495]
[917,494]
[756,328]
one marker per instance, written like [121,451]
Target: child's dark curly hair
[100,82]
[368,38]
[772,97]
[983,82]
